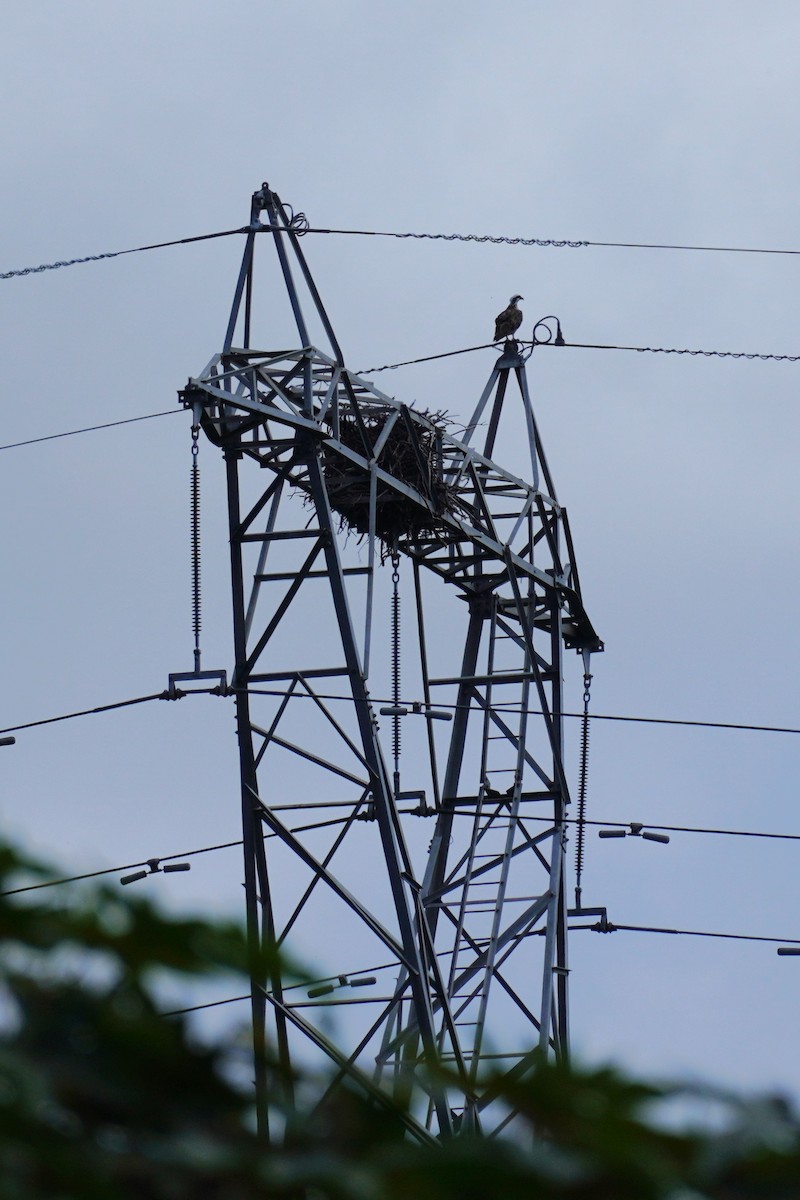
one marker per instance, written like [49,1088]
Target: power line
[536,712]
[743,354]
[748,833]
[410,362]
[737,937]
[74,262]
[475,238]
[692,353]
[177,694]
[51,437]
[557,243]
[34,887]
[607,927]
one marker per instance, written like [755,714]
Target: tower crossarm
[442,503]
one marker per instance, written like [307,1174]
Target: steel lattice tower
[435,916]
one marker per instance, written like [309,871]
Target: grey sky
[627,120]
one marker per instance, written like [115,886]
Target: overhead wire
[35,887]
[178,694]
[555,243]
[517,711]
[474,238]
[48,883]
[736,937]
[735,354]
[52,437]
[102,708]
[74,262]
[607,928]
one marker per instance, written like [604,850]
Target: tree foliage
[101,1096]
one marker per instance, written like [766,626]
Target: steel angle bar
[536,441]
[520,519]
[373,510]
[331,397]
[426,689]
[367,464]
[262,555]
[355,412]
[497,679]
[284,576]
[472,424]
[398,865]
[461,451]
[572,564]
[482,503]
[305,855]
[548,716]
[272,491]
[278,390]
[423,465]
[283,607]
[453,880]
[547,529]
[244,275]
[533,437]
[332,720]
[382,1021]
[549,1020]
[306,673]
[318,761]
[275,205]
[508,950]
[268,734]
[288,278]
[280,535]
[260,926]
[519,639]
[494,420]
[499,723]
[325,863]
[521,924]
[352,1072]
[256,408]
[383,437]
[257,358]
[441,997]
[530,844]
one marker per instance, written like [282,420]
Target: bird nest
[412,454]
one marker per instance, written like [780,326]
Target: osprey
[509,320]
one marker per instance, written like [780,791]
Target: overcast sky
[601,120]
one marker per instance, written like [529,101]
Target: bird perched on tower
[509,320]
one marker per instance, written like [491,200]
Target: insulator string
[582,786]
[396,732]
[195,546]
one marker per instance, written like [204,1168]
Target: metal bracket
[174,692]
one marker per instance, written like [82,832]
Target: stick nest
[412,454]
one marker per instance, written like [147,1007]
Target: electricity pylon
[441,960]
